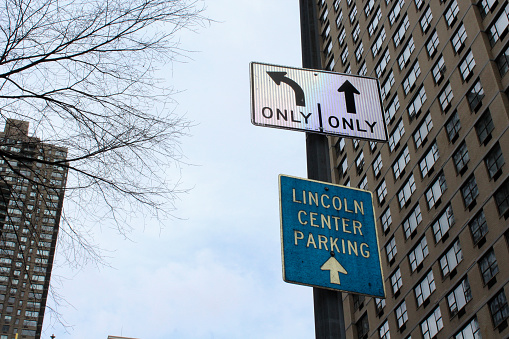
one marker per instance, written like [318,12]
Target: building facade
[440,185]
[31,195]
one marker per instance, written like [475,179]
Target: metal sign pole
[328,304]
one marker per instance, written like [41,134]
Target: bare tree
[83,74]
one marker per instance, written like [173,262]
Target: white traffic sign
[317,101]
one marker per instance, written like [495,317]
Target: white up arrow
[333,265]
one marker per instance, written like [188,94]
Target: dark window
[453,126]
[362,327]
[498,308]
[494,160]
[469,191]
[478,227]
[358,301]
[502,198]
[475,95]
[503,61]
[484,127]
[488,266]
[461,157]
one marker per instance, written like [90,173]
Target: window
[339,146]
[439,70]
[418,254]
[502,198]
[471,330]
[377,165]
[336,4]
[499,28]
[469,191]
[429,159]
[344,55]
[432,44]
[387,85]
[399,35]
[451,13]
[461,158]
[396,281]
[326,31]
[459,297]
[419,3]
[478,227]
[362,326]
[435,191]
[355,143]
[503,61]
[416,104]
[391,249]
[494,161]
[422,131]
[382,64]
[488,266]
[373,25]
[342,36]
[486,6]
[484,126]
[409,81]
[358,52]
[356,32]
[406,191]
[458,39]
[453,126]
[475,95]
[369,7]
[380,304]
[404,56]
[377,45]
[391,109]
[498,308]
[359,161]
[401,162]
[353,13]
[339,18]
[363,184]
[467,65]
[424,288]
[412,221]
[386,219]
[381,192]
[445,97]
[384,331]
[401,314]
[443,223]
[433,324]
[343,167]
[394,13]
[396,135]
[363,70]
[426,19]
[323,16]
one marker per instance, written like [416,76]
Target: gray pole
[328,304]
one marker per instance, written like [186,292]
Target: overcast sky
[216,272]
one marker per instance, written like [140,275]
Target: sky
[215,271]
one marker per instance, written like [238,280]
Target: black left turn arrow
[279,77]
[349,90]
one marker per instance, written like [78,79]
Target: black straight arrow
[279,77]
[349,90]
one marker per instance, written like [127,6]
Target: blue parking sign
[329,237]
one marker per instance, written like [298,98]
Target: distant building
[31,195]
[115,337]
[440,185]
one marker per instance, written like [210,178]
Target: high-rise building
[31,195]
[440,185]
